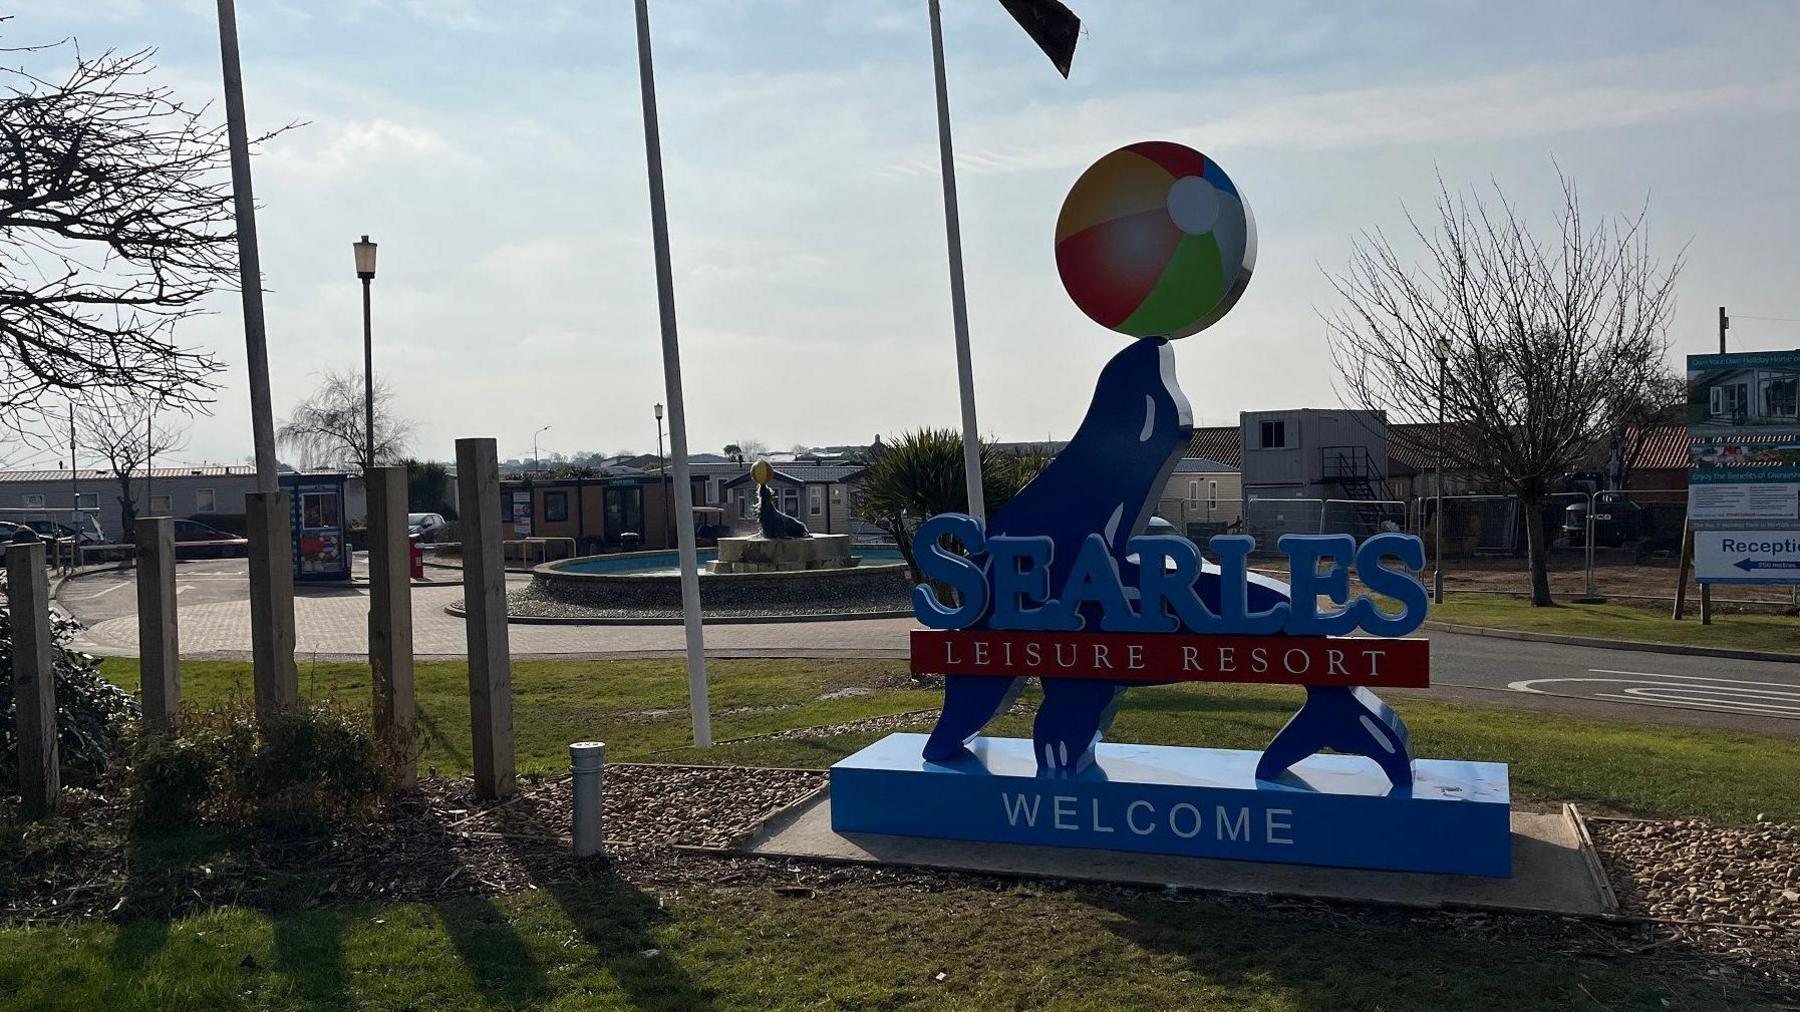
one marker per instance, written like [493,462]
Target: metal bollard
[586,761]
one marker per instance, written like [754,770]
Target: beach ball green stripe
[1194,280]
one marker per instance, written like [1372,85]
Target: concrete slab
[1551,872]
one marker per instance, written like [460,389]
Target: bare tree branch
[127,433]
[1551,346]
[115,223]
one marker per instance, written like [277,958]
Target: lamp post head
[365,259]
[659,412]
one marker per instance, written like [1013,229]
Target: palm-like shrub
[920,474]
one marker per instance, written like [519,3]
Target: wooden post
[159,649]
[484,604]
[34,679]
[271,528]
[1685,568]
[390,615]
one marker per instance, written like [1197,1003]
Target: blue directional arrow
[1748,564]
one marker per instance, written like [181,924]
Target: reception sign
[1747,556]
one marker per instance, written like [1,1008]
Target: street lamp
[536,465]
[365,269]
[1442,351]
[662,466]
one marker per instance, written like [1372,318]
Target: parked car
[425,526]
[196,540]
[87,531]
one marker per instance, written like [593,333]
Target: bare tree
[128,433]
[1548,341]
[750,448]
[115,223]
[326,429]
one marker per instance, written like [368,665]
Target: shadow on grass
[1325,958]
[309,949]
[434,737]
[499,960]
[616,919]
[158,862]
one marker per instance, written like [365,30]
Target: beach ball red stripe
[1111,268]
[1177,159]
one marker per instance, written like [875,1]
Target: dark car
[426,526]
[196,540]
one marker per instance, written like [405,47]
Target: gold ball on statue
[761,472]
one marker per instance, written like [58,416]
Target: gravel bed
[1692,871]
[434,843]
[910,720]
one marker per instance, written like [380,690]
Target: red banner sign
[1149,657]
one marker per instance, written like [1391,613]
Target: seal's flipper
[1075,715]
[970,701]
[1353,721]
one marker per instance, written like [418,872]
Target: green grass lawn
[636,706]
[1617,621]
[586,945]
[639,708]
[604,945]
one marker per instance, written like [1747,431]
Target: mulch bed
[1735,926]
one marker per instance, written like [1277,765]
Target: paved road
[331,621]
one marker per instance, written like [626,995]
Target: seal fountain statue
[782,543]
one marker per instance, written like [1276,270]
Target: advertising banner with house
[1744,492]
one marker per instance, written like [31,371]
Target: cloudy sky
[495,151]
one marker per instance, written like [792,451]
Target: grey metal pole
[368,382]
[262,415]
[663,472]
[959,307]
[1592,528]
[1437,520]
[699,709]
[75,515]
[587,764]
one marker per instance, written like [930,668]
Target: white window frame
[168,505]
[1212,494]
[33,500]
[206,500]
[1194,491]
[815,501]
[87,500]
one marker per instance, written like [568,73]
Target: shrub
[309,768]
[91,713]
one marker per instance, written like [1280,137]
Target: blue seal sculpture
[1071,583]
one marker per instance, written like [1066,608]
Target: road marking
[121,585]
[1649,688]
[1693,678]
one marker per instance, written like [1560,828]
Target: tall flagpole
[665,301]
[262,416]
[959,308]
[276,681]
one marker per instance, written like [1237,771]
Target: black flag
[1054,27]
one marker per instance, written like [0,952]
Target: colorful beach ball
[1154,240]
